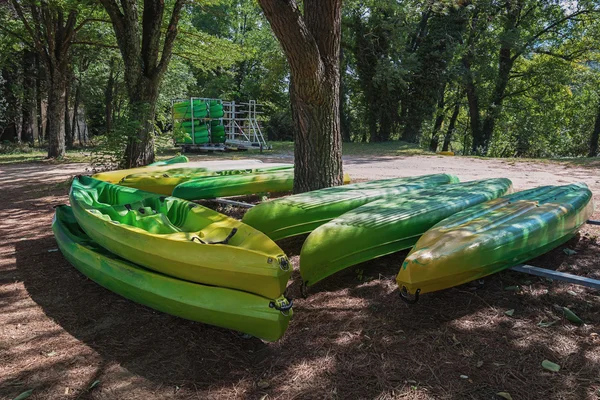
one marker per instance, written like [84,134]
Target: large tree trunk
[140,141]
[75,112]
[595,137]
[451,127]
[311,43]
[55,126]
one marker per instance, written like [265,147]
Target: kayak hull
[179,238]
[165,182]
[302,213]
[221,307]
[389,225]
[118,175]
[494,236]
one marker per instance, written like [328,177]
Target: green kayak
[170,161]
[495,235]
[210,187]
[179,238]
[302,213]
[388,225]
[227,308]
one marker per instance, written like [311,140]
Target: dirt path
[351,338]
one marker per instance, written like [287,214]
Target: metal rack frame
[242,127]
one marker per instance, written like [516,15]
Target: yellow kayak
[232,309]
[164,182]
[118,175]
[179,238]
[493,236]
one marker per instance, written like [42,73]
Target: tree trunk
[108,96]
[28,102]
[311,43]
[74,124]
[595,137]
[55,125]
[140,141]
[38,99]
[439,121]
[451,127]
[68,136]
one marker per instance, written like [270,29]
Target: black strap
[405,296]
[224,241]
[128,207]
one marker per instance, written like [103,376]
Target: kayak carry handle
[283,309]
[224,241]
[406,297]
[284,264]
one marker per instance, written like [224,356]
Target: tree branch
[170,37]
[548,29]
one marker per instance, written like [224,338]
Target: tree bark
[439,121]
[311,43]
[68,136]
[595,137]
[55,125]
[75,112]
[451,127]
[144,68]
[108,97]
[28,102]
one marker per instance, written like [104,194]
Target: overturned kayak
[173,160]
[165,182]
[495,235]
[179,238]
[386,226]
[116,176]
[226,308]
[211,187]
[302,213]
[275,180]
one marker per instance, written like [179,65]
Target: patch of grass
[40,155]
[392,148]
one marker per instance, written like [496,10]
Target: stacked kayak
[302,213]
[226,308]
[164,182]
[170,161]
[493,236]
[179,238]
[389,225]
[275,180]
[118,175]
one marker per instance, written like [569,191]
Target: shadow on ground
[351,338]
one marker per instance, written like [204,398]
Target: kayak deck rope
[224,241]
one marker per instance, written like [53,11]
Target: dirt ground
[64,336]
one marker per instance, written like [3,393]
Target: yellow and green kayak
[389,225]
[179,238]
[493,236]
[302,213]
[118,175]
[232,309]
[165,182]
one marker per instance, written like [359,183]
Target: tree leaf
[504,395]
[513,288]
[94,384]
[571,316]
[543,324]
[510,312]
[24,395]
[569,252]
[550,366]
